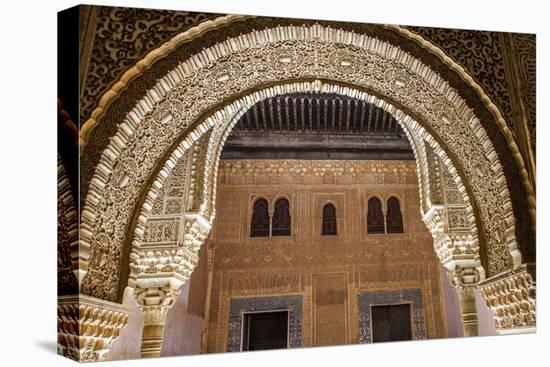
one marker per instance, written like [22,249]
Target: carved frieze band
[512,298]
[87,326]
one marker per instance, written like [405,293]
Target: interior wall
[327,273]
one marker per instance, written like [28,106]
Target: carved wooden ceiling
[315,126]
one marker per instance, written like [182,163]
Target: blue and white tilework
[238,306]
[368,299]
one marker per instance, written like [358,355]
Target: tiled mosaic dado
[238,306]
[368,299]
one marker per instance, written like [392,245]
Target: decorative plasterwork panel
[122,37]
[481,54]
[368,299]
[284,53]
[239,306]
[162,230]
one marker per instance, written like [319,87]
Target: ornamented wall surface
[327,273]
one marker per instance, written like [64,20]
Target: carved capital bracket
[159,271]
[170,263]
[196,229]
[454,242]
[511,296]
[87,326]
[464,277]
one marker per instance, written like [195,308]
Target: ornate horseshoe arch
[174,121]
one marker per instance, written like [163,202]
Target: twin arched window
[393,222]
[329,220]
[260,225]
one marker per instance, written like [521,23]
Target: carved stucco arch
[149,60]
[232,67]
[151,57]
[67,234]
[223,122]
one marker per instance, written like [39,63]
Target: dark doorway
[265,330]
[391,323]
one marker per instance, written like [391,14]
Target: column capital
[155,303]
[464,277]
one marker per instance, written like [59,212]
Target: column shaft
[468,310]
[151,342]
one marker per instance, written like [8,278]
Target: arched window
[259,226]
[281,219]
[375,218]
[329,220]
[394,219]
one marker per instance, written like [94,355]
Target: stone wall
[327,273]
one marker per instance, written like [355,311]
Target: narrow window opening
[329,220]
